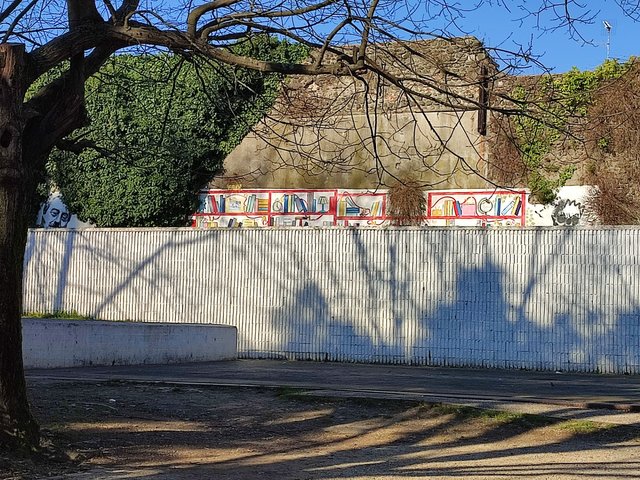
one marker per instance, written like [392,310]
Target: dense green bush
[160,128]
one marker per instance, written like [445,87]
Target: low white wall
[534,298]
[50,343]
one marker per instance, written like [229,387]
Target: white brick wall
[565,299]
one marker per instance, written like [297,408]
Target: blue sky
[559,51]
[505,27]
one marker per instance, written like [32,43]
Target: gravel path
[118,430]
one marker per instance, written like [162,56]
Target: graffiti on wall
[568,210]
[567,213]
[55,214]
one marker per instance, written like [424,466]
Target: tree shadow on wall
[317,333]
[435,297]
[490,323]
[39,243]
[481,315]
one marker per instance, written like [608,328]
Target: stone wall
[344,132]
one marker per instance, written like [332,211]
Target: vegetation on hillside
[542,145]
[160,128]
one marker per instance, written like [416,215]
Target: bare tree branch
[9,9]
[197,13]
[17,19]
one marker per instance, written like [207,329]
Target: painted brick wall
[566,299]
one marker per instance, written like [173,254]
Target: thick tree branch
[367,29]
[82,12]
[327,44]
[253,14]
[80,146]
[9,9]
[198,12]
[179,41]
[127,7]
[57,110]
[88,37]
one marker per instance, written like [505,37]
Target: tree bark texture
[17,426]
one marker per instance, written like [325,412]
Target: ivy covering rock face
[538,144]
[160,128]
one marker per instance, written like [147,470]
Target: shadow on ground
[152,431]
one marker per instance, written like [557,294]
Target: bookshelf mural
[290,208]
[476,208]
[362,208]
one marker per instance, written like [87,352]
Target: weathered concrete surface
[50,343]
[342,132]
[426,148]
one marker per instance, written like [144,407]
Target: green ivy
[546,112]
[163,125]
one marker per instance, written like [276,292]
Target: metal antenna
[608,27]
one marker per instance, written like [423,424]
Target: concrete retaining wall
[50,343]
[556,298]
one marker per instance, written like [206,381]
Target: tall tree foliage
[160,128]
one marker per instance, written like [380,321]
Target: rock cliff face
[363,132]
[441,74]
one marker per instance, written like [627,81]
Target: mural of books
[361,208]
[228,202]
[358,208]
[302,208]
[264,208]
[476,207]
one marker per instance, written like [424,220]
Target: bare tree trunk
[17,426]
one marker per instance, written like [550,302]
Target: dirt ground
[123,430]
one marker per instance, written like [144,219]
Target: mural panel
[476,208]
[363,208]
[55,214]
